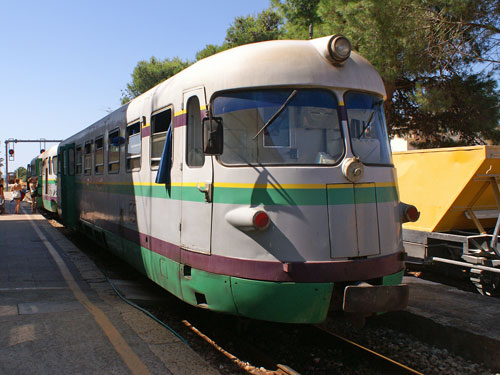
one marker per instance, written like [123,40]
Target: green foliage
[456,110]
[266,26]
[148,74]
[301,16]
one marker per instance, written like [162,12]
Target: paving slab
[55,321]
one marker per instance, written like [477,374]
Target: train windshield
[369,141]
[276,127]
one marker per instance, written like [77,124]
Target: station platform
[59,316]
[464,322]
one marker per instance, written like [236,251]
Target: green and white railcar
[257,182]
[48,179]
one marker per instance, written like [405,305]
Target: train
[257,182]
[44,168]
[456,190]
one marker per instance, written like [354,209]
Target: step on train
[257,182]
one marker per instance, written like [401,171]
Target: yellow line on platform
[128,356]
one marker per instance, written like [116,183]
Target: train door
[68,206]
[39,177]
[197,178]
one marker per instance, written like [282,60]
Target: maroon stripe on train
[146,132]
[180,120]
[327,271]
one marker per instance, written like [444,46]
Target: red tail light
[261,220]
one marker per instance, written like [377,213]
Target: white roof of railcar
[293,63]
[271,63]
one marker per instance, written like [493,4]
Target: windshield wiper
[368,124]
[278,112]
[375,108]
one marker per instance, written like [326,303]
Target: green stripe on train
[255,196]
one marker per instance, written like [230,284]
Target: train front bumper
[367,299]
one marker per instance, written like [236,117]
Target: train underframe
[470,253]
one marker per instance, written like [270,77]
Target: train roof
[282,62]
[292,63]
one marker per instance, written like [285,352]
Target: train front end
[305,210]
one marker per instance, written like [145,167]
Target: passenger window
[194,148]
[54,164]
[71,162]
[133,152]
[114,151]
[78,159]
[59,163]
[160,123]
[87,158]
[99,155]
[64,162]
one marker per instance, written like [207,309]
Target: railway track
[263,348]
[256,347]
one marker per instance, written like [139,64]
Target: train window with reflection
[54,164]
[71,162]
[78,160]
[59,163]
[194,148]
[87,158]
[114,151]
[133,142]
[99,155]
[160,122]
[365,113]
[280,127]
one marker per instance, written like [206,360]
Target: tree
[148,74]
[266,26]
[302,16]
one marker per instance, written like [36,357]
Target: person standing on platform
[16,194]
[33,189]
[2,198]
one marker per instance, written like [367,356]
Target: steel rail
[390,365]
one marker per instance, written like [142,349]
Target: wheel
[486,283]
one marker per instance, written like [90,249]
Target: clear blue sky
[63,64]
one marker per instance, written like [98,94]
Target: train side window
[194,148]
[99,155]
[63,163]
[160,123]
[78,160]
[114,151]
[54,164]
[87,158]
[71,161]
[133,142]
[59,163]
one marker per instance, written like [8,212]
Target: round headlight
[339,48]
